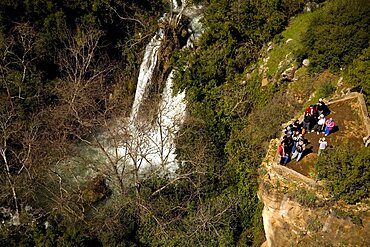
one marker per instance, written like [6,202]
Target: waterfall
[131,149]
[150,145]
[146,72]
[171,114]
[175,5]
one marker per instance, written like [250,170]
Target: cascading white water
[175,6]
[131,149]
[146,72]
[150,146]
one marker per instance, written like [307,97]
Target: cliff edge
[299,211]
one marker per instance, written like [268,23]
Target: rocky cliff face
[299,212]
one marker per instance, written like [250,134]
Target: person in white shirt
[322,145]
[320,124]
[299,150]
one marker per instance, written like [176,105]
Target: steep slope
[296,213]
[300,210]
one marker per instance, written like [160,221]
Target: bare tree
[82,99]
[17,137]
[7,130]
[85,70]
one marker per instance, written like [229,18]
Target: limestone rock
[310,6]
[288,74]
[306,62]
[263,67]
[288,223]
[288,41]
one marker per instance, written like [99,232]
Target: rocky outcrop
[289,222]
[298,211]
[310,6]
[288,74]
[306,62]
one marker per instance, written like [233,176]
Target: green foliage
[56,234]
[305,197]
[325,89]
[294,32]
[337,34]
[356,219]
[347,170]
[358,74]
[54,237]
[234,33]
[314,225]
[255,235]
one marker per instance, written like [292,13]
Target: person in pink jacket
[329,125]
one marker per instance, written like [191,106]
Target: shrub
[347,169]
[337,34]
[358,74]
[314,225]
[326,89]
[342,214]
[305,198]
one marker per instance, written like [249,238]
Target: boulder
[288,74]
[288,40]
[306,62]
[310,6]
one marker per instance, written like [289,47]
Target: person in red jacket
[311,110]
[283,155]
[311,114]
[329,125]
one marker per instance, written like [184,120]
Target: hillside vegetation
[234,115]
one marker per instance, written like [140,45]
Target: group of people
[314,119]
[293,143]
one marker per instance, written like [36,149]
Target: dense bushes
[54,233]
[347,170]
[358,74]
[337,34]
[234,33]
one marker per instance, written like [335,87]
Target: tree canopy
[337,33]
